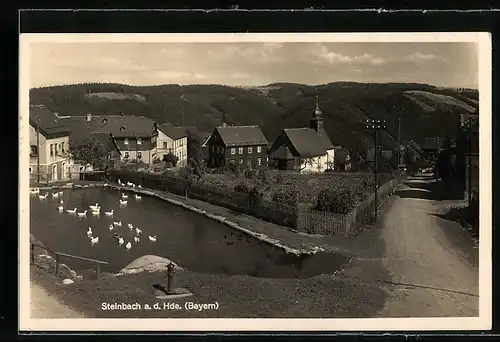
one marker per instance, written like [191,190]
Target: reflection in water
[191,240]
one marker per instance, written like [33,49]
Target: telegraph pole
[399,142]
[38,150]
[436,139]
[469,148]
[375,126]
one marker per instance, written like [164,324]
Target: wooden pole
[57,264]
[470,160]
[376,173]
[38,150]
[399,141]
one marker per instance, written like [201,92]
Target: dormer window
[123,128]
[125,141]
[104,121]
[139,141]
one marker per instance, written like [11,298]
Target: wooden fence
[299,218]
[58,255]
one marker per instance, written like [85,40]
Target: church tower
[316,121]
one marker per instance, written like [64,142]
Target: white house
[304,149]
[49,141]
[172,139]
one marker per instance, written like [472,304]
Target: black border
[226,21]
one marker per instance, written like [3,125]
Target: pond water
[193,241]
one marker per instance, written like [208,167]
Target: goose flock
[95,210]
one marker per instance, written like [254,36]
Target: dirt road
[45,306]
[428,264]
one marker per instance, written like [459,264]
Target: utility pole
[469,148]
[375,126]
[436,139]
[399,142]
[38,150]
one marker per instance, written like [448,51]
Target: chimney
[89,117]
[155,125]
[224,124]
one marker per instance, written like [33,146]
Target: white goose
[94,240]
[35,191]
[42,197]
[136,239]
[61,201]
[117,224]
[96,206]
[60,208]
[139,186]
[137,197]
[128,245]
[130,226]
[71,211]
[130,184]
[109,213]
[82,214]
[55,195]
[89,232]
[152,238]
[123,202]
[96,212]
[111,227]
[138,231]
[120,241]
[119,181]
[60,193]
[124,196]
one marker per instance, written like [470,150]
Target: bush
[234,168]
[249,173]
[171,158]
[337,201]
[285,196]
[241,187]
[262,175]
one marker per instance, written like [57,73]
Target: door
[54,172]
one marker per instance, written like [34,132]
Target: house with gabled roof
[172,139]
[245,146]
[307,149]
[49,141]
[135,136]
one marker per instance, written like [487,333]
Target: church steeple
[316,121]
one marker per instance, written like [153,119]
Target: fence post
[32,253]
[57,264]
[98,270]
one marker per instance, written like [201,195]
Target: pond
[193,241]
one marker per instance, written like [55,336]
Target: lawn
[323,296]
[307,186]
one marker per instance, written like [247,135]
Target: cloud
[419,57]
[323,55]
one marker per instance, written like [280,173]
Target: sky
[253,64]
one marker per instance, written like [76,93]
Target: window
[139,155]
[213,148]
[249,163]
[259,161]
[139,141]
[126,155]
[125,141]
[165,144]
[51,149]
[62,147]
[250,149]
[233,150]
[31,170]
[240,150]
[259,149]
[241,160]
[55,148]
[34,151]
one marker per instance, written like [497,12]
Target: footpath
[44,305]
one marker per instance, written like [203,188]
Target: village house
[172,139]
[113,154]
[304,149]
[245,146]
[49,141]
[135,136]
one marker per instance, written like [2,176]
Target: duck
[71,211]
[61,201]
[138,231]
[119,181]
[109,213]
[120,241]
[139,186]
[123,202]
[118,224]
[136,239]
[82,214]
[96,206]
[152,238]
[111,227]
[94,240]
[89,232]
[60,193]
[35,191]
[60,208]
[130,226]
[42,197]
[96,212]
[130,184]
[124,196]
[128,245]
[137,197]
[55,194]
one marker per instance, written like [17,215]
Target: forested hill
[424,110]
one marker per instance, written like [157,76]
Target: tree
[89,151]
[305,162]
[197,166]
